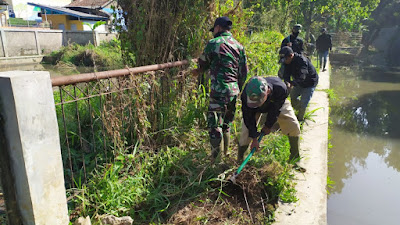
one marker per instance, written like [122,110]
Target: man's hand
[289,86]
[255,144]
[289,44]
[195,72]
[266,130]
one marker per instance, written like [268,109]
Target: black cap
[223,21]
[284,52]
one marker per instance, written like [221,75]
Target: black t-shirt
[297,43]
[271,106]
[324,42]
[301,72]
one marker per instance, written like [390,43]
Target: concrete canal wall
[29,42]
[311,208]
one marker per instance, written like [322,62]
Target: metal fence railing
[101,114]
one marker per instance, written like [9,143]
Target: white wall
[101,28]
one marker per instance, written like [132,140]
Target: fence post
[96,40]
[4,42]
[30,144]
[39,51]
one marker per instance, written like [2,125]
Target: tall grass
[152,187]
[105,56]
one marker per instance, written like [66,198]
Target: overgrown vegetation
[164,168]
[155,166]
[168,186]
[106,56]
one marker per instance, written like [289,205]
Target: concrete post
[4,42]
[30,141]
[96,40]
[39,51]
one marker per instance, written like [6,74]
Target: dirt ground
[246,202]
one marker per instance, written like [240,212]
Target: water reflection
[365,158]
[373,114]
[379,76]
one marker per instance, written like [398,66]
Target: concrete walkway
[311,208]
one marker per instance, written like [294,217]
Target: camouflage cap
[256,91]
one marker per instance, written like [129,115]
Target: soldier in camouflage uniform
[226,59]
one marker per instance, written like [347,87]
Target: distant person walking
[324,44]
[226,59]
[293,40]
[311,45]
[300,76]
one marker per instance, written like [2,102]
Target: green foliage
[330,184]
[85,138]
[337,15]
[21,22]
[165,31]
[95,25]
[332,95]
[240,16]
[153,187]
[261,50]
[106,56]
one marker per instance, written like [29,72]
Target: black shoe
[323,70]
[299,168]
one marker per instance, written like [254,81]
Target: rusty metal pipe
[86,77]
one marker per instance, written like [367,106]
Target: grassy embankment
[106,56]
[178,184]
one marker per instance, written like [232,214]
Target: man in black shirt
[301,78]
[266,97]
[324,44]
[293,40]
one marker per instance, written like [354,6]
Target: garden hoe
[233,178]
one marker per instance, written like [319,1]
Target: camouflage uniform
[226,59]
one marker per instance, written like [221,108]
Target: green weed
[106,56]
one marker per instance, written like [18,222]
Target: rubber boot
[301,113]
[324,66]
[241,151]
[294,148]
[295,154]
[227,141]
[215,147]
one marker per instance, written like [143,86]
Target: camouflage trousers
[221,113]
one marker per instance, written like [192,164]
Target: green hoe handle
[249,156]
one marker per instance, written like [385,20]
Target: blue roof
[70,12]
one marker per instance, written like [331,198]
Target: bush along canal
[365,157]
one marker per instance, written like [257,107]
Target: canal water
[365,157]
